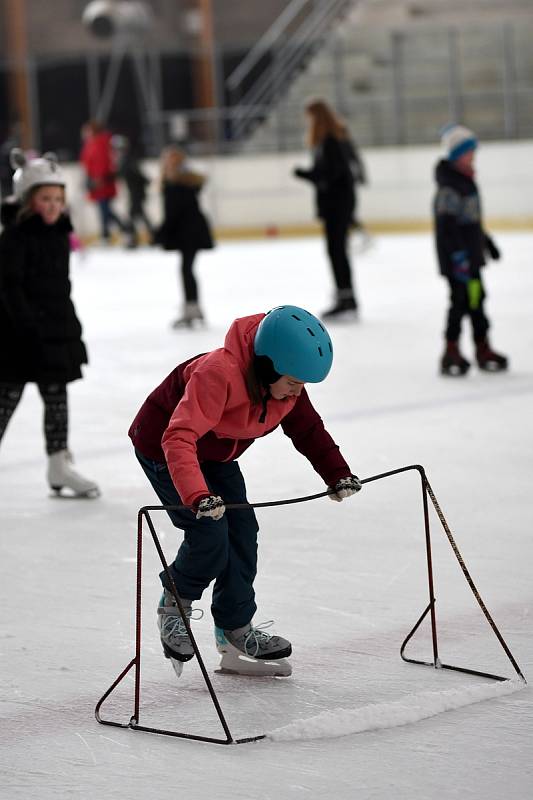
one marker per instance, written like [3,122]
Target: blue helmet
[296,342]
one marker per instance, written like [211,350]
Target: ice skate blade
[63,493]
[492,366]
[177,666]
[454,371]
[187,324]
[343,317]
[254,667]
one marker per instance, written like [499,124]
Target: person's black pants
[460,307]
[336,231]
[190,287]
[55,422]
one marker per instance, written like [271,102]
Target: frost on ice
[411,708]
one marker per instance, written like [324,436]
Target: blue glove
[461,266]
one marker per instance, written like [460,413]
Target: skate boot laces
[256,638]
[173,626]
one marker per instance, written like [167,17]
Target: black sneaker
[340,307]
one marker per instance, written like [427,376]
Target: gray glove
[212,506]
[345,488]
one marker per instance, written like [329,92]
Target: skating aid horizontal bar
[291,500]
[144,513]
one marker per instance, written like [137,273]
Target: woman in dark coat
[185,228]
[332,173]
[40,331]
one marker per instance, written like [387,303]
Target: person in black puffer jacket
[185,227]
[40,331]
[462,245]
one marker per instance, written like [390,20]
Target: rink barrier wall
[257,196]
[436,662]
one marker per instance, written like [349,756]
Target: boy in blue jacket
[462,246]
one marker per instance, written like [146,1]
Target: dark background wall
[64,58]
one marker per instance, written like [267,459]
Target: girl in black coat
[332,173]
[185,228]
[462,247]
[40,331]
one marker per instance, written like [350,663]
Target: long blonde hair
[323,122]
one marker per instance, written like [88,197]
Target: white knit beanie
[457,140]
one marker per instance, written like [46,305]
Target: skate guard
[233,662]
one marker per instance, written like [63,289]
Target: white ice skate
[61,475]
[251,651]
[192,314]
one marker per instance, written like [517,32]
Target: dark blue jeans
[108,217]
[224,551]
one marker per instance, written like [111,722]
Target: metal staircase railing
[277,55]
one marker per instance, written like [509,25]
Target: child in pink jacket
[188,436]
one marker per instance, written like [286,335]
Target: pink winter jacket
[202,412]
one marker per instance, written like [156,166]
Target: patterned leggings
[54,397]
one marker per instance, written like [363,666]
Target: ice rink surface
[345,582]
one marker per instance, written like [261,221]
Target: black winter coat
[39,330]
[185,227]
[458,220]
[129,171]
[333,178]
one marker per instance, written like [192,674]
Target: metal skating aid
[229,660]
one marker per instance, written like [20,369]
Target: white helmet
[44,171]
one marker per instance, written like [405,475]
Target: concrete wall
[258,195]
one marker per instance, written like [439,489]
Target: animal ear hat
[32,172]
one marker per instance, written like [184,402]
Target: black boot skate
[452,362]
[488,360]
[345,305]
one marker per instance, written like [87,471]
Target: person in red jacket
[97,160]
[188,436]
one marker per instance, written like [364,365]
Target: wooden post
[17,53]
[204,70]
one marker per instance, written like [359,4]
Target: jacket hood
[9,211]
[35,223]
[239,341]
[447,175]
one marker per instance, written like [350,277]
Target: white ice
[345,582]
